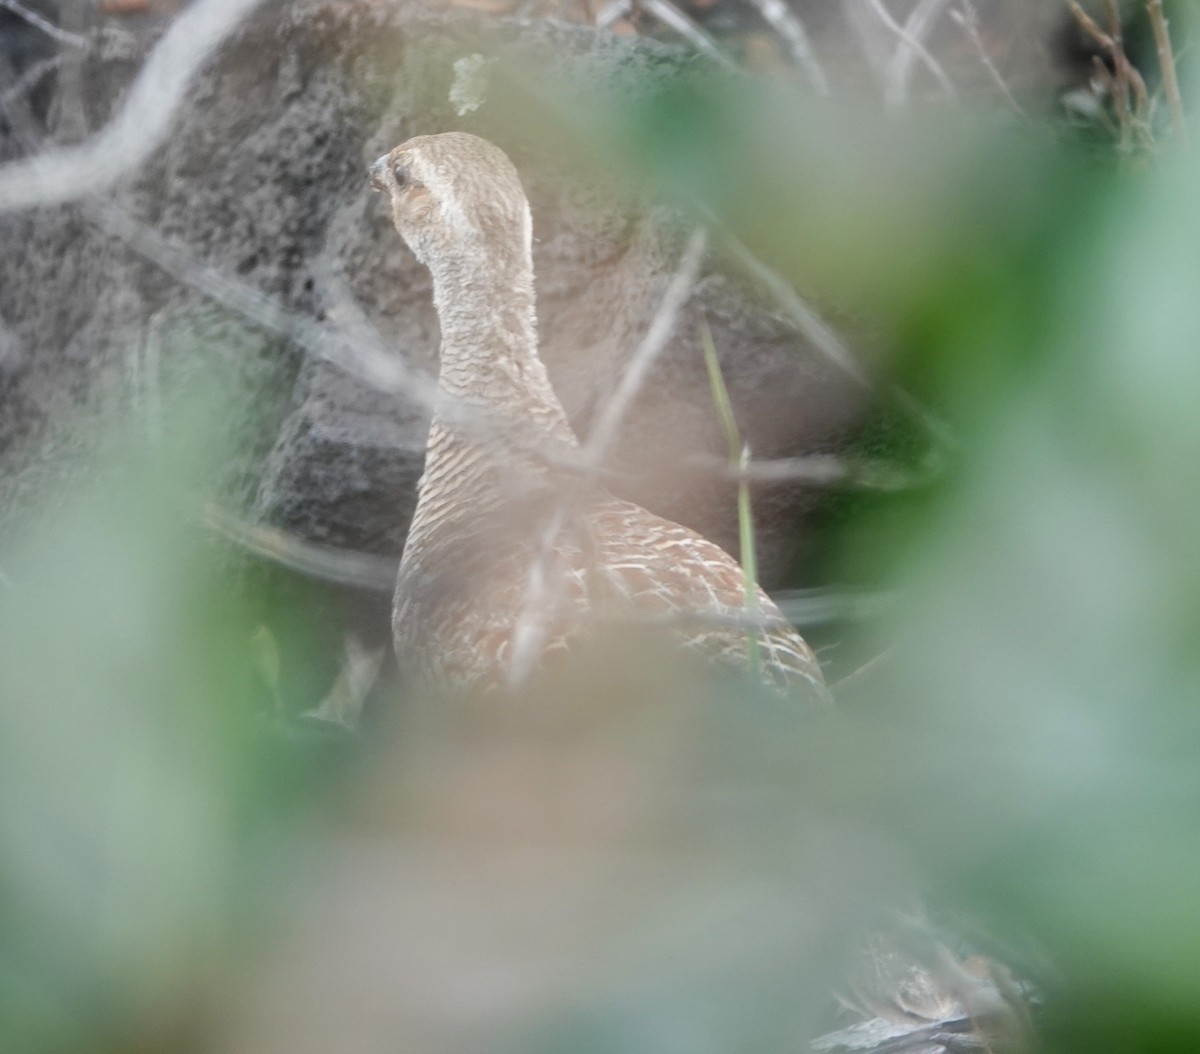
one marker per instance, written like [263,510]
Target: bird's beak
[377,173]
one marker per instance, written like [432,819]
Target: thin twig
[350,342]
[1090,26]
[783,20]
[870,666]
[648,351]
[967,18]
[917,27]
[824,339]
[932,64]
[142,123]
[346,567]
[373,362]
[49,28]
[673,18]
[543,595]
[1127,88]
[1166,62]
[346,340]
[25,83]
[812,326]
[546,571]
[819,606]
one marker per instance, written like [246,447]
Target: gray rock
[262,182]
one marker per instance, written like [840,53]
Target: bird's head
[458,203]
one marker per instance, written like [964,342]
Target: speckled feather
[480,528]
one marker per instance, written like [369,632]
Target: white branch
[143,122]
[885,16]
[916,28]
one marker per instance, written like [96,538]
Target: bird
[512,556]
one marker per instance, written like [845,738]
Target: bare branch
[1090,26]
[67,173]
[783,20]
[1127,88]
[49,28]
[1166,62]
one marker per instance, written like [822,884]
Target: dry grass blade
[739,457]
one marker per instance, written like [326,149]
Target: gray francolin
[511,555]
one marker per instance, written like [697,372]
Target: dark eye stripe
[401,175]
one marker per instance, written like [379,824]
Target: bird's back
[485,588]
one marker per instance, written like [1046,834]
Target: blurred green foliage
[628,860]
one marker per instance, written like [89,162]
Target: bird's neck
[489,354]
[484,471]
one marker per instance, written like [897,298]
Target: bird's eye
[401,175]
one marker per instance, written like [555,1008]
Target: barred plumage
[508,559]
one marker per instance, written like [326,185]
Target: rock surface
[262,183]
